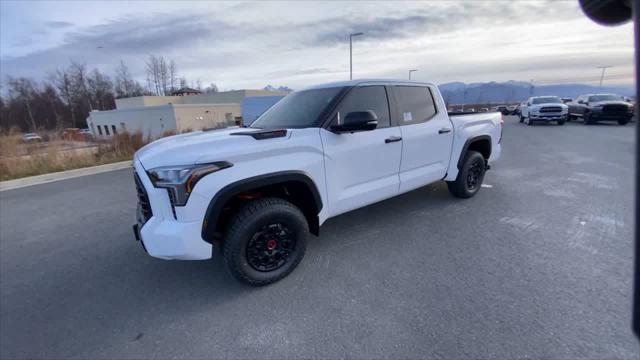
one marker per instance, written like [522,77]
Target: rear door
[362,167]
[427,136]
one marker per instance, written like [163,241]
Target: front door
[362,167]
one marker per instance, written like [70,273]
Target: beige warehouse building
[154,116]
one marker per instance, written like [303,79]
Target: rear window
[415,104]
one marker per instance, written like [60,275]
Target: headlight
[180,180]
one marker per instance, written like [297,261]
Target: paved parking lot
[538,264]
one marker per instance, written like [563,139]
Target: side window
[365,98]
[415,104]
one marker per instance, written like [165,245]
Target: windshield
[596,98]
[546,100]
[299,109]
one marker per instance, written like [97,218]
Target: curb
[61,175]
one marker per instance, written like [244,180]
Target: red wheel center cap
[271,244]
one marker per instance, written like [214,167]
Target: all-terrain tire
[461,186]
[251,221]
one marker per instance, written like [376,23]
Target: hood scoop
[263,134]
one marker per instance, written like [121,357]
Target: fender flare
[226,193]
[468,143]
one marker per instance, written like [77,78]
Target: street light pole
[351,53]
[602,76]
[410,71]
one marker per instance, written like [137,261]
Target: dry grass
[19,160]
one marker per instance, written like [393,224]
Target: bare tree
[125,85]
[173,73]
[23,90]
[79,77]
[123,81]
[154,74]
[101,90]
[212,88]
[63,82]
[161,74]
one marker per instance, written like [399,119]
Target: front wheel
[470,177]
[623,121]
[265,241]
[521,118]
[561,122]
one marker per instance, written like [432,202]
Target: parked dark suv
[601,107]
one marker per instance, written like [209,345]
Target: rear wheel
[470,177]
[265,241]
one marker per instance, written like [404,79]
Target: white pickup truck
[256,193]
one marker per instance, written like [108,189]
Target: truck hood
[199,147]
[536,107]
[609,102]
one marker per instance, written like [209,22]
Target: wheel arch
[481,144]
[294,186]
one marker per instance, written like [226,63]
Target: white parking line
[486,186]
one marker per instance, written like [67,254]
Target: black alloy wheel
[270,247]
[475,174]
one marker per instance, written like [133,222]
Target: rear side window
[415,104]
[365,98]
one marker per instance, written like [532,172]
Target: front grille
[143,213]
[615,109]
[551,109]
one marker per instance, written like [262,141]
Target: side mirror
[357,121]
[528,104]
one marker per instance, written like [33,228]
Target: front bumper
[548,117]
[162,235]
[602,116]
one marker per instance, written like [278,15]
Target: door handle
[392,139]
[444,131]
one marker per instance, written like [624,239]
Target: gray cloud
[218,44]
[58,24]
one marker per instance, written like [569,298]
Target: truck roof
[366,81]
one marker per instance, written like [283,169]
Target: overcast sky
[249,45]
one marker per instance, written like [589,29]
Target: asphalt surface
[538,265]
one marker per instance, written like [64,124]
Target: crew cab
[255,194]
[601,107]
[544,108]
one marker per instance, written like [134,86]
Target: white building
[154,116]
